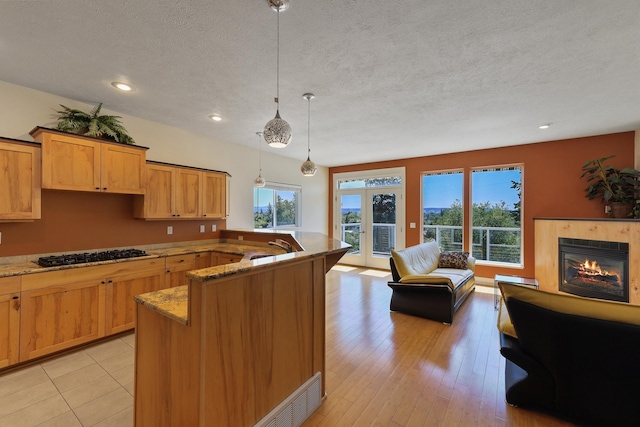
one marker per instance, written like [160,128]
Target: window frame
[276,187]
[509,166]
[460,171]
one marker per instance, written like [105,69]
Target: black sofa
[573,357]
[429,286]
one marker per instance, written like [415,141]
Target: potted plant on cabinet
[92,124]
[615,187]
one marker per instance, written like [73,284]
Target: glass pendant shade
[308,168]
[259,182]
[277,132]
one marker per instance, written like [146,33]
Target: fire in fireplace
[594,268]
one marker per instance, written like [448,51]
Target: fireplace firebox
[594,268]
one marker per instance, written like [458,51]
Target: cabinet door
[9,320]
[19,181]
[177,266]
[70,163]
[188,193]
[203,260]
[214,195]
[218,258]
[119,293]
[159,199]
[61,316]
[123,169]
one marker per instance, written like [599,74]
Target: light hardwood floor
[383,369]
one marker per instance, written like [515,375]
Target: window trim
[278,186]
[507,166]
[452,171]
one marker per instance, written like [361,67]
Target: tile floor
[92,386]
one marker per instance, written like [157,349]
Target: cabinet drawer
[10,285]
[181,262]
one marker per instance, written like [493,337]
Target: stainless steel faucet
[282,244]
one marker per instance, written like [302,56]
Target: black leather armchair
[572,357]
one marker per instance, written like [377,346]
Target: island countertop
[173,302]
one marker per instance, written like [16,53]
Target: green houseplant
[92,124]
[615,187]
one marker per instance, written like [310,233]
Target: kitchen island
[243,343]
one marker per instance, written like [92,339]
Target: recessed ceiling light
[122,86]
[547,126]
[215,117]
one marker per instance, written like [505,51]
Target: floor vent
[296,408]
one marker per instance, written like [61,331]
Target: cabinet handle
[110,281]
[181,260]
[168,271]
[97,188]
[178,215]
[16,303]
[204,214]
[104,189]
[102,282]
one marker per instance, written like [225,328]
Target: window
[442,209]
[496,214]
[276,206]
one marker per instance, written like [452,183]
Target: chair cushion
[416,260]
[570,304]
[453,260]
[450,276]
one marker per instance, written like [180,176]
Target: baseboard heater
[297,407]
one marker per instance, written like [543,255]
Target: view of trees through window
[281,202]
[495,210]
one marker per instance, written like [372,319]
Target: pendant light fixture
[259,181]
[308,168]
[277,132]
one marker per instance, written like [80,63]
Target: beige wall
[21,109]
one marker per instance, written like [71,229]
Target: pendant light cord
[278,62]
[308,128]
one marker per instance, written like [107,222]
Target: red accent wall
[79,221]
[551,184]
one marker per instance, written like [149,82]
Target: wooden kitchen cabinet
[202,260]
[71,162]
[219,258]
[9,320]
[179,192]
[61,309]
[176,267]
[146,276]
[20,195]
[214,195]
[57,313]
[188,193]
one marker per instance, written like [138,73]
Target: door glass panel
[384,223]
[351,221]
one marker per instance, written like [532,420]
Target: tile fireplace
[594,268]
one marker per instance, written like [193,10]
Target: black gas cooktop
[57,260]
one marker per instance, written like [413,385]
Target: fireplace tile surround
[548,231]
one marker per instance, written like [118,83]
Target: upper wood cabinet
[71,162]
[19,180]
[176,192]
[214,199]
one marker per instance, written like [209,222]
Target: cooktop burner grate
[81,258]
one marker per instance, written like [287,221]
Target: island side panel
[258,339]
[319,318]
[167,380]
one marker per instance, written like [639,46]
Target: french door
[370,220]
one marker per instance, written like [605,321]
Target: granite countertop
[173,302]
[21,265]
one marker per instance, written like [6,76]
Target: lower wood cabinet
[203,260]
[119,292]
[219,258]
[60,315]
[177,266]
[65,308]
[9,320]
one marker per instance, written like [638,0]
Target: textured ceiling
[392,79]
